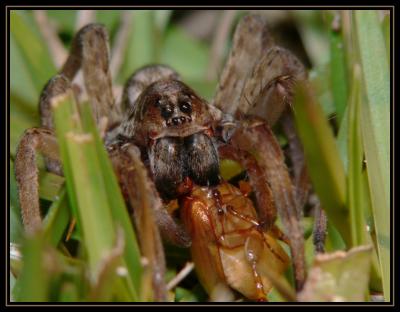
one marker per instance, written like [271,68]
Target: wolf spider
[162,125]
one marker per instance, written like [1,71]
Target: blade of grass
[21,80]
[33,49]
[50,185]
[339,83]
[386,34]
[57,219]
[116,201]
[323,160]
[95,217]
[86,169]
[376,129]
[141,47]
[355,156]
[190,59]
[342,140]
[32,285]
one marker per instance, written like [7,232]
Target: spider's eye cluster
[167,111]
[185,107]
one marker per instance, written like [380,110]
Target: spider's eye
[185,107]
[167,111]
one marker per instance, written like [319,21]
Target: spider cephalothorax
[164,132]
[174,126]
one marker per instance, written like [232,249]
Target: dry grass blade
[218,43]
[121,43]
[57,50]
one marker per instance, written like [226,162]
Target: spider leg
[254,135]
[148,212]
[55,86]
[90,52]
[38,140]
[34,140]
[301,178]
[268,91]
[133,179]
[250,41]
[258,180]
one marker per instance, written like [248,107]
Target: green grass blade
[33,48]
[322,157]
[355,155]
[141,47]
[339,83]
[116,201]
[190,59]
[93,188]
[50,185]
[376,129]
[32,285]
[57,219]
[386,34]
[80,166]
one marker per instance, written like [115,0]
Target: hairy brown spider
[162,125]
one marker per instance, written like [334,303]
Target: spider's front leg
[258,79]
[254,135]
[143,200]
[258,181]
[37,140]
[148,212]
